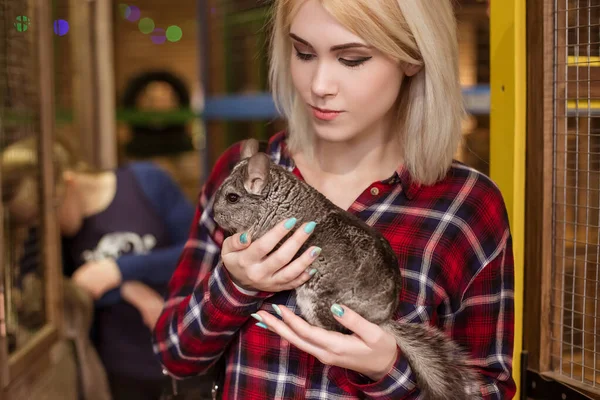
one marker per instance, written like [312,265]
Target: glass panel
[474,68]
[23,280]
[158,90]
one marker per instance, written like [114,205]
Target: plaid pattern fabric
[453,244]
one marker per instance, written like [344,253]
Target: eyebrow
[333,48]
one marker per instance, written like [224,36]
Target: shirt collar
[403,177]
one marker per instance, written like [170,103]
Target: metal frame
[541,388]
[507,136]
[16,367]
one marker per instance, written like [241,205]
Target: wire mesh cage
[575,352]
[22,251]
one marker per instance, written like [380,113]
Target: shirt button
[374,191]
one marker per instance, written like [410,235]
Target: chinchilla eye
[232,197]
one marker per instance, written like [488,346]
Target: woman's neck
[363,159]
[341,171]
[96,191]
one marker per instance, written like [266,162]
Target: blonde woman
[371,94]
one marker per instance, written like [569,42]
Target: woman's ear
[411,69]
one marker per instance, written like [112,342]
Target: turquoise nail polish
[310,227]
[312,271]
[261,325]
[276,308]
[315,252]
[244,238]
[256,317]
[289,224]
[337,310]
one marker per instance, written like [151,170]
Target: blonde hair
[19,163]
[430,104]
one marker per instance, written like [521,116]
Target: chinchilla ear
[257,173]
[249,148]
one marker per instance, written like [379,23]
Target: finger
[298,271]
[334,342]
[269,240]
[237,242]
[288,249]
[365,330]
[275,325]
[300,280]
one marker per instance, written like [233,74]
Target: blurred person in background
[123,231]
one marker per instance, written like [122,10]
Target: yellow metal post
[507,131]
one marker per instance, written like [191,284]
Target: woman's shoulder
[477,205]
[472,208]
[467,187]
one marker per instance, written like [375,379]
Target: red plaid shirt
[453,244]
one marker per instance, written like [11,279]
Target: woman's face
[348,88]
[157,96]
[24,208]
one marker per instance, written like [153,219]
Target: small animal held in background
[357,267]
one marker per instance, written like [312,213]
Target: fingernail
[244,238]
[310,227]
[261,325]
[257,317]
[312,271]
[315,252]
[337,310]
[276,308]
[289,224]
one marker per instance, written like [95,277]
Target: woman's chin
[333,135]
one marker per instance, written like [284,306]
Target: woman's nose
[324,83]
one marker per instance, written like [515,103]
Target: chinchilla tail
[439,364]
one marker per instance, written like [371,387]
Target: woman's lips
[325,115]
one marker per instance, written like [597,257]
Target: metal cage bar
[507,136]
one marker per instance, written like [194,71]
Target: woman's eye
[232,197]
[354,63]
[304,56]
[347,62]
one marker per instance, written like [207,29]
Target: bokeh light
[123,9]
[174,33]
[146,25]
[158,36]
[22,23]
[61,27]
[132,13]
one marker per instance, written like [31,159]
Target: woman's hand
[147,301]
[98,277]
[250,267]
[370,350]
